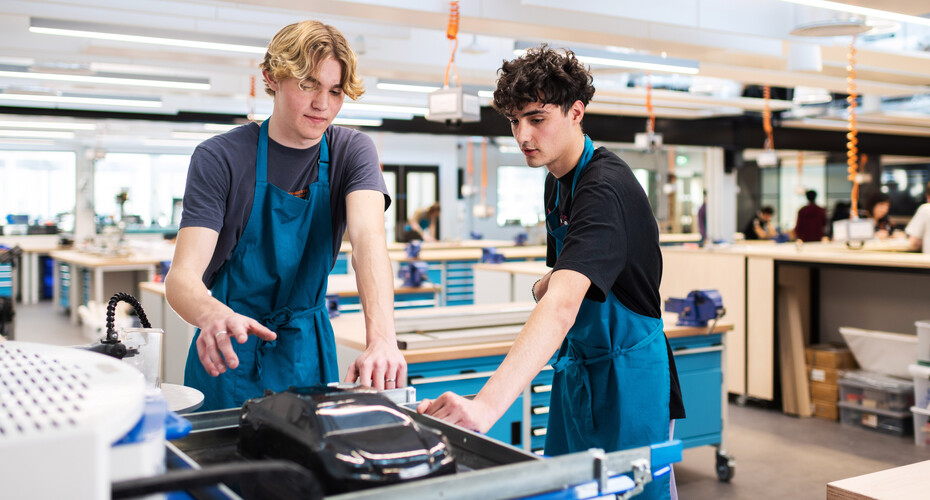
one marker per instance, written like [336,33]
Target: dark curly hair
[545,75]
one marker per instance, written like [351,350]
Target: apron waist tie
[274,321]
[566,361]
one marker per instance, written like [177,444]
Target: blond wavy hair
[299,49]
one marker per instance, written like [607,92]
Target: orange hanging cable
[251,100]
[484,170]
[452,32]
[852,144]
[469,163]
[767,118]
[651,124]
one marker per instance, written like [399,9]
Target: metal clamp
[642,474]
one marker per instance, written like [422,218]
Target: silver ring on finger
[220,334]
[388,380]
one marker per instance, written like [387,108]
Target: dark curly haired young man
[615,384]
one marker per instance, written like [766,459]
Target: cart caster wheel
[725,467]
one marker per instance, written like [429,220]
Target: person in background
[702,218]
[761,226]
[879,205]
[424,224]
[918,229]
[265,209]
[811,219]
[615,385]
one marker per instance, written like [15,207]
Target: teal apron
[276,275]
[611,384]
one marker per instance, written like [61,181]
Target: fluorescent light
[170,143]
[48,125]
[139,102]
[358,122]
[200,136]
[385,108]
[220,127]
[630,61]
[145,35]
[864,11]
[11,71]
[38,134]
[403,87]
[486,93]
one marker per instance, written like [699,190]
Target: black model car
[351,439]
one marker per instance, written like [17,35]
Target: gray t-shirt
[221,181]
[919,226]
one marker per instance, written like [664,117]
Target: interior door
[414,187]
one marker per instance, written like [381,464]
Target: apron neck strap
[261,159]
[586,155]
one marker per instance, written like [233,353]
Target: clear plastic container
[876,391]
[895,423]
[921,376]
[921,426]
[145,345]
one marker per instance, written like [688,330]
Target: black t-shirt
[613,240]
[221,181]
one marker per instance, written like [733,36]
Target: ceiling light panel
[643,62]
[50,74]
[135,102]
[136,34]
[862,11]
[46,125]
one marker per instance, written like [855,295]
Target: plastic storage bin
[921,376]
[896,423]
[876,391]
[921,426]
[923,342]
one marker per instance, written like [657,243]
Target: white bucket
[921,434]
[923,342]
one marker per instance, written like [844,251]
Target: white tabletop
[182,399]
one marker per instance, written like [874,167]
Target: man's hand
[215,338]
[381,366]
[468,413]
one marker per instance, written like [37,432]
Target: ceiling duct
[811,21]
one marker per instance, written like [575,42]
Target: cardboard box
[823,391]
[831,356]
[824,409]
[825,375]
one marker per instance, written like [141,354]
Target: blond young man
[265,209]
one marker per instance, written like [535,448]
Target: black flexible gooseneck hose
[112,337]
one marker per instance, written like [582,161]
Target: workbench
[465,366]
[179,334]
[908,482]
[79,277]
[875,288]
[452,268]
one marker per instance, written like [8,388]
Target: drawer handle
[542,388]
[697,350]
[540,410]
[418,380]
[539,431]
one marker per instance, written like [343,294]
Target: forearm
[375,283]
[538,340]
[189,297]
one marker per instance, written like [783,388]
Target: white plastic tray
[883,352]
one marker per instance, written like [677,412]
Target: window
[151,183]
[38,184]
[520,195]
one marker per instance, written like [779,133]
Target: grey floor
[777,456]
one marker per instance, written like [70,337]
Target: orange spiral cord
[767,118]
[651,125]
[800,165]
[852,144]
[452,32]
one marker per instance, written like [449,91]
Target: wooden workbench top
[878,254]
[339,284]
[524,252]
[350,332]
[534,268]
[908,482]
[94,260]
